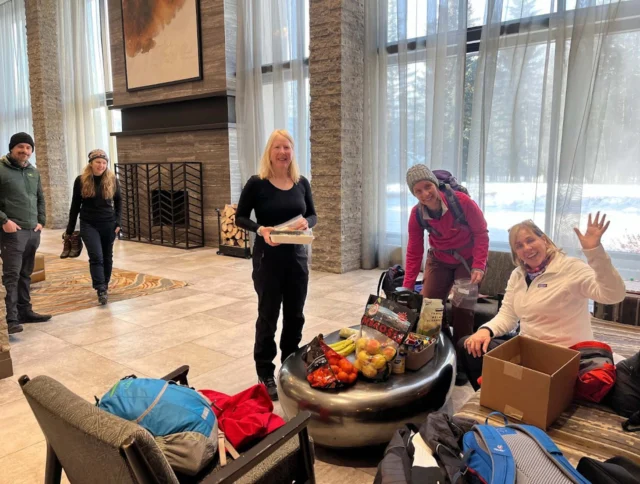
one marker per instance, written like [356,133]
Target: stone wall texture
[336,71]
[46,107]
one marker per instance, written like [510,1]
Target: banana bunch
[344,347]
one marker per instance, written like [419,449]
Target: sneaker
[14,328]
[103,297]
[32,317]
[272,388]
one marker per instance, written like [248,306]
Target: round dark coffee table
[367,413]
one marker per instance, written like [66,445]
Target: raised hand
[595,229]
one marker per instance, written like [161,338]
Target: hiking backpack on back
[446,178]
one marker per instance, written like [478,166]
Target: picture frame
[163,46]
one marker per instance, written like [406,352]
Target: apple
[363,357]
[369,371]
[389,353]
[373,347]
[361,343]
[378,361]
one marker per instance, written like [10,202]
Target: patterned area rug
[68,288]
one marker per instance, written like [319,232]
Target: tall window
[272,78]
[534,130]
[82,81]
[15,100]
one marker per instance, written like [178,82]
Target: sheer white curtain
[556,120]
[82,75]
[415,59]
[272,79]
[15,100]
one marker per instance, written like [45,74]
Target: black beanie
[18,138]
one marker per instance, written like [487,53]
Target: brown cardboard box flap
[6,365]
[39,263]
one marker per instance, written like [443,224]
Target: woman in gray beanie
[458,242]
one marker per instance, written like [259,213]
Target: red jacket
[473,238]
[245,417]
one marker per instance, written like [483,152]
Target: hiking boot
[66,246]
[32,317]
[76,245]
[272,388]
[103,296]
[14,328]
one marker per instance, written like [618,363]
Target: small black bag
[617,470]
[391,279]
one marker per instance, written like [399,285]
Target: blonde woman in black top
[280,272]
[96,198]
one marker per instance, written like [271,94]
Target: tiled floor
[208,325]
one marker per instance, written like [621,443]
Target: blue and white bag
[521,454]
[179,418]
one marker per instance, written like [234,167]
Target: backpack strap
[503,465]
[425,223]
[545,442]
[454,204]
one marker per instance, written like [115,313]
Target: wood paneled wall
[185,143]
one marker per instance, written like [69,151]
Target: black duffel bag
[624,397]
[617,470]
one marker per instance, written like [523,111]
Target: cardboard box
[38,274]
[6,366]
[529,380]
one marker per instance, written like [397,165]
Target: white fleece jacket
[554,308]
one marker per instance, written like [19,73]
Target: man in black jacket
[22,216]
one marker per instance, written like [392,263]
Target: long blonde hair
[266,170]
[107,184]
[529,225]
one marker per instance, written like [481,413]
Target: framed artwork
[161,42]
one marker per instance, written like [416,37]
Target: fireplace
[162,203]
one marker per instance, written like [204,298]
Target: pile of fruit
[373,357]
[326,368]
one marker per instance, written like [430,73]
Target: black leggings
[98,238]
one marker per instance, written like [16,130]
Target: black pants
[473,365]
[98,238]
[18,258]
[280,276]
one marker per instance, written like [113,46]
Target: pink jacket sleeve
[415,251]
[478,226]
